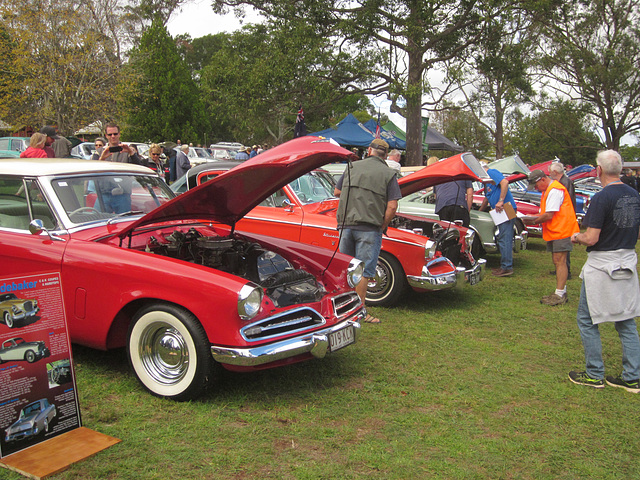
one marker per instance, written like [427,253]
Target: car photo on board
[35,419]
[18,349]
[172,279]
[17,312]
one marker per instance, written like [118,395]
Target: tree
[255,83]
[64,66]
[592,53]
[555,130]
[462,127]
[494,78]
[401,39]
[162,100]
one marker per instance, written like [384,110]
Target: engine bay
[285,285]
[447,240]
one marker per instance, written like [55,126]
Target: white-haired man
[610,290]
[182,161]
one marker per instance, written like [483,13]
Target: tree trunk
[414,107]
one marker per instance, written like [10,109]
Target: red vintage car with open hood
[169,278]
[417,253]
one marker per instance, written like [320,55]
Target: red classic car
[169,278]
[416,253]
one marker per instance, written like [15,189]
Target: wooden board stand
[57,454]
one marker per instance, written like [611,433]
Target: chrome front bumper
[315,343]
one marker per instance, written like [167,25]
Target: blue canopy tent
[349,132]
[390,138]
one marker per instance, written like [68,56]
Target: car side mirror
[36,227]
[287,205]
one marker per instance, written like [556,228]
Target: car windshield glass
[91,198]
[34,407]
[313,187]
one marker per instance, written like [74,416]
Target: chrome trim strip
[316,343]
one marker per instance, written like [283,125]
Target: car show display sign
[38,397]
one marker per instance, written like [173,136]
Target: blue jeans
[505,244]
[590,334]
[363,245]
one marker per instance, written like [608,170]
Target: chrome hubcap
[164,353]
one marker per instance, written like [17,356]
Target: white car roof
[59,166]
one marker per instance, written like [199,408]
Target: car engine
[447,239]
[285,285]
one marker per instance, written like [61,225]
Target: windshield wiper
[125,214]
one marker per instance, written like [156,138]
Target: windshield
[200,152]
[91,198]
[313,187]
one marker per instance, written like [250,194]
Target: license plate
[474,278]
[341,338]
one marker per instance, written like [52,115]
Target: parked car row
[236,266]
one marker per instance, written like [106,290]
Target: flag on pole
[300,129]
[378,126]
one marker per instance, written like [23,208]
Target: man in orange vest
[558,219]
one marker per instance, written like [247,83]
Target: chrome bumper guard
[436,282]
[476,274]
[520,241]
[315,343]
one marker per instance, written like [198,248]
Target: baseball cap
[379,144]
[49,132]
[534,176]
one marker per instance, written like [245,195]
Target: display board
[38,397]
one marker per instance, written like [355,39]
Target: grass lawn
[469,384]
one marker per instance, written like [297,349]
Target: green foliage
[593,53]
[630,153]
[461,127]
[557,130]
[161,99]
[258,77]
[63,66]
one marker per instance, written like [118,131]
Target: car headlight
[249,301]
[355,272]
[430,249]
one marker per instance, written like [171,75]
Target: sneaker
[581,378]
[554,300]
[632,386]
[500,272]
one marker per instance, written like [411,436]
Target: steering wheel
[83,210]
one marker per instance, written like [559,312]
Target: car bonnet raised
[231,195]
[463,166]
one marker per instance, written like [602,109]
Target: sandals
[371,319]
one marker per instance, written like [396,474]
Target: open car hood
[231,195]
[463,166]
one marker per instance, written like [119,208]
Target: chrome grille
[345,304]
[289,322]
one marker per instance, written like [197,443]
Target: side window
[39,207]
[4,144]
[20,202]
[14,208]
